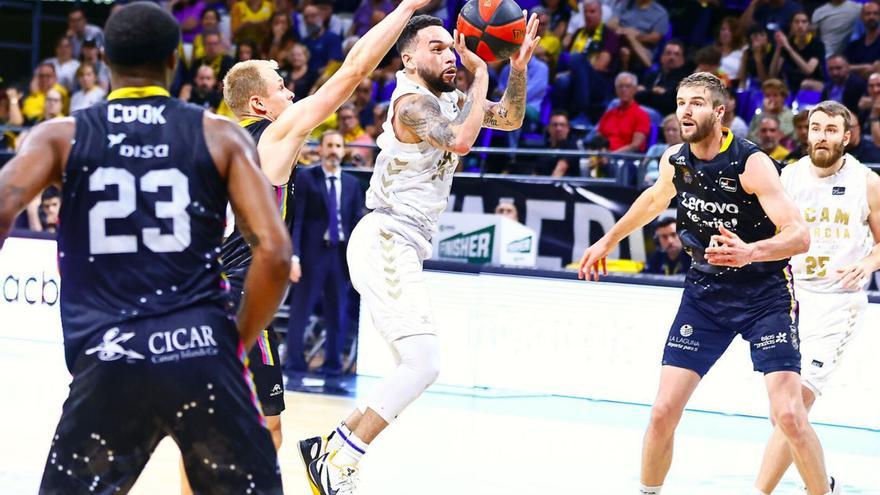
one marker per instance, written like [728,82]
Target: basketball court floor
[456,441]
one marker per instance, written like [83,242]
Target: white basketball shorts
[385,261]
[828,322]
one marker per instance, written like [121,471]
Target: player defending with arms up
[257,95]
[148,337]
[740,228]
[840,200]
[429,126]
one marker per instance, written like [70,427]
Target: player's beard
[703,129]
[829,157]
[435,82]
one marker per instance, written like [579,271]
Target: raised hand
[520,59]
[469,59]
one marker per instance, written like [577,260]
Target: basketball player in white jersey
[840,200]
[429,125]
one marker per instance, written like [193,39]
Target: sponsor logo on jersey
[838,190]
[127,114]
[473,247]
[115,139]
[523,245]
[694,203]
[110,348]
[728,184]
[145,151]
[182,343]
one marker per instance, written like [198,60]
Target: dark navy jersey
[236,254]
[142,215]
[710,195]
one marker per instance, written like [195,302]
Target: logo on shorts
[686,330]
[794,337]
[182,343]
[276,390]
[770,341]
[838,190]
[817,363]
[110,349]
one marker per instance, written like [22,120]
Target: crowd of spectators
[603,78]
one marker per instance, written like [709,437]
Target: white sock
[352,450]
[650,490]
[759,492]
[336,441]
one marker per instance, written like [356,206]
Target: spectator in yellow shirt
[44,79]
[250,20]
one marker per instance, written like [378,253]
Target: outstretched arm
[648,206]
[305,115]
[508,114]
[37,165]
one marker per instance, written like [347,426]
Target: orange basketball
[493,29]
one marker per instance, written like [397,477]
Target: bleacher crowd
[604,77]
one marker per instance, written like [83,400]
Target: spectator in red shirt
[627,125]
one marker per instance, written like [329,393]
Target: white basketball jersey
[413,181]
[836,210]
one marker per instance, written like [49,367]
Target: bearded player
[429,125]
[840,200]
[740,229]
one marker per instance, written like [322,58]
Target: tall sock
[336,439]
[351,452]
[650,490]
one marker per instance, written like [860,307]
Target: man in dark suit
[328,204]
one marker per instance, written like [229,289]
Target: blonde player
[430,124]
[840,200]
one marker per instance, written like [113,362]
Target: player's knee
[792,421]
[664,417]
[422,357]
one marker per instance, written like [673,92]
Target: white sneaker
[330,479]
[836,487]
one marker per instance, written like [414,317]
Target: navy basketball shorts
[762,309]
[263,360]
[180,374]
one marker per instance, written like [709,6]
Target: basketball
[493,29]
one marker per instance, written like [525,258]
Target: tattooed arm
[36,165]
[508,114]
[418,118]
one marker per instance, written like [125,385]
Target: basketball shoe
[326,478]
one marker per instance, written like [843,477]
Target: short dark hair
[708,55]
[559,113]
[141,34]
[416,24]
[664,222]
[49,193]
[330,132]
